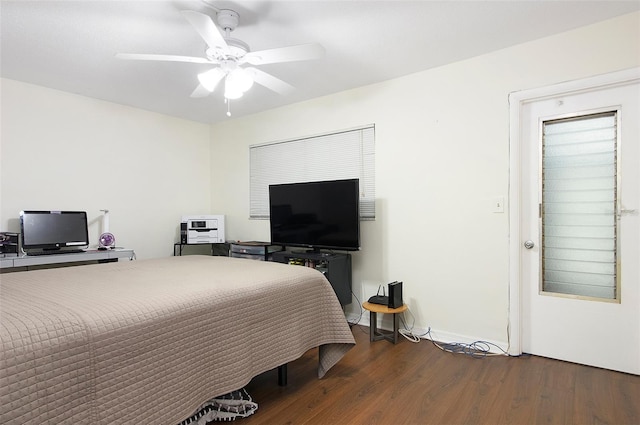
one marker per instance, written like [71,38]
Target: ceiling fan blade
[169,58]
[207,29]
[301,52]
[200,91]
[269,81]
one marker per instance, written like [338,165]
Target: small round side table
[376,334]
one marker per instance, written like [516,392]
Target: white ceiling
[70,45]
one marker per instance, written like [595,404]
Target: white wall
[442,155]
[61,151]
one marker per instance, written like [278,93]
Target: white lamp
[231,92]
[240,79]
[237,83]
[211,78]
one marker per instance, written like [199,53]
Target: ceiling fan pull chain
[228,106]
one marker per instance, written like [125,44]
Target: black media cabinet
[335,267]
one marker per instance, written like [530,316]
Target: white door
[579,233]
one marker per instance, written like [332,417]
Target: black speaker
[395,295]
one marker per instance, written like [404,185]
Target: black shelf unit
[335,266]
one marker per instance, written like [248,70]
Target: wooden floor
[409,383]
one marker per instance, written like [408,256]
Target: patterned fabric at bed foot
[227,407]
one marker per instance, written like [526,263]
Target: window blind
[336,156]
[579,206]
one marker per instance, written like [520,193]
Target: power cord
[476,349]
[352,324]
[408,333]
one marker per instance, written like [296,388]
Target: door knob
[529,244]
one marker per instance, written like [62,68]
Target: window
[341,155]
[579,189]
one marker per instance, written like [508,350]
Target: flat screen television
[54,230]
[317,215]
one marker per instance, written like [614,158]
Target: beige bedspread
[148,341]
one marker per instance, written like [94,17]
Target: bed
[149,341]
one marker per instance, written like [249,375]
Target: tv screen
[53,230]
[318,215]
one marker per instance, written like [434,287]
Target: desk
[109,255]
[374,333]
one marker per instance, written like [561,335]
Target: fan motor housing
[237,48]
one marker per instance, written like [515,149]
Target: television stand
[335,267]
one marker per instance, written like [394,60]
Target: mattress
[149,341]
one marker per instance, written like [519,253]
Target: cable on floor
[476,349]
[408,333]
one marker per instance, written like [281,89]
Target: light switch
[497,204]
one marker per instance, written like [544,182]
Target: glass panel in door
[579,184]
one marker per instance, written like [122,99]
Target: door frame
[516,102]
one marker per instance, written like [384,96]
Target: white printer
[204,228]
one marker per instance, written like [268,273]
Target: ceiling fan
[229,56]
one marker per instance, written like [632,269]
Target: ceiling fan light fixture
[233,95]
[211,78]
[239,80]
[230,91]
